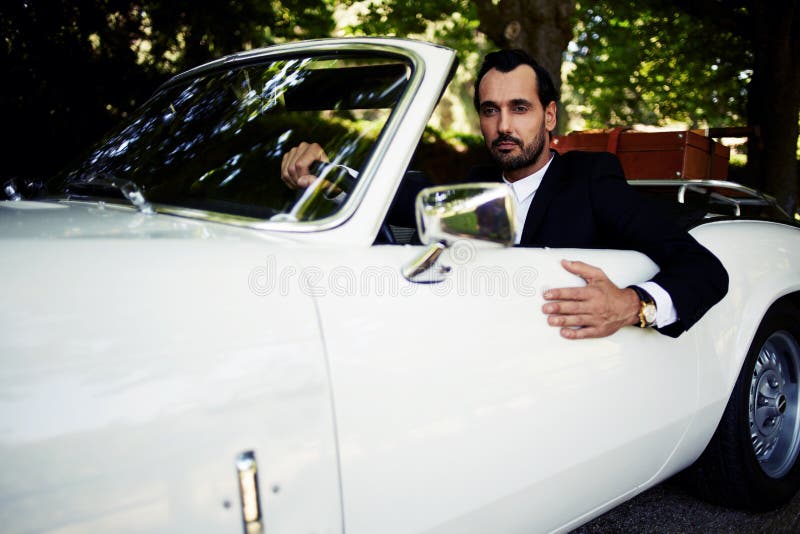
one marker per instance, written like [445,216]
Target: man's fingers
[568,307]
[296,164]
[302,182]
[569,293]
[584,270]
[597,310]
[301,157]
[583,333]
[306,181]
[318,152]
[573,320]
[307,154]
[286,161]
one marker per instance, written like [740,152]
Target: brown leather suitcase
[654,155]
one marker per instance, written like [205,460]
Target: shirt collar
[525,187]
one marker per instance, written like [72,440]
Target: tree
[772,32]
[73,68]
[196,35]
[640,64]
[709,62]
[542,28]
[774,98]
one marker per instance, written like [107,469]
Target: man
[578,200]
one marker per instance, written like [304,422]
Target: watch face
[650,313]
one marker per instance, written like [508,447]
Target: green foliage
[397,17]
[647,62]
[73,68]
[452,23]
[183,35]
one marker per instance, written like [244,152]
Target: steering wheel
[344,181]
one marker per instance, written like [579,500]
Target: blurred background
[73,69]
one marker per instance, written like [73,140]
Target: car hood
[98,220]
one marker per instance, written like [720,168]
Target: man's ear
[551,116]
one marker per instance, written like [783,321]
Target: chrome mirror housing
[481,211]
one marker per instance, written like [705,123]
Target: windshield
[214,142]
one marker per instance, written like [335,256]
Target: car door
[140,371]
[458,408]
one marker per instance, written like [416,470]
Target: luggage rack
[723,192]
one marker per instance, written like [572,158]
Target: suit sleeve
[694,278]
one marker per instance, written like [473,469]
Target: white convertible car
[187,345]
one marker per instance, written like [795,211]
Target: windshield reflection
[215,142]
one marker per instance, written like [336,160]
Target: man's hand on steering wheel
[296,165]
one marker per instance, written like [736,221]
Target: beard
[530,152]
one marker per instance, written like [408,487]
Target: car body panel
[167,365]
[763,263]
[101,220]
[467,377]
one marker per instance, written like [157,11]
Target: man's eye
[489,111]
[521,109]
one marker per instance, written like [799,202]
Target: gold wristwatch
[647,308]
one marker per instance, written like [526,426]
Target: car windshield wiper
[104,182]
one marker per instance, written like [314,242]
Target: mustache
[505,138]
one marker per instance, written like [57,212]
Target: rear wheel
[752,460]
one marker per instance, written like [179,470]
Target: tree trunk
[774,100]
[542,28]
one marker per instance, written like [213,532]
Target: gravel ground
[668,508]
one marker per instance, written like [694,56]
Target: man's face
[514,124]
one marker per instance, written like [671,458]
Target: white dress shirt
[525,189]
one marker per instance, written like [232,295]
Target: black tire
[752,459]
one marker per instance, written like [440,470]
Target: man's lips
[506,143]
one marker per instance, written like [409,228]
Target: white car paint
[481,388]
[138,363]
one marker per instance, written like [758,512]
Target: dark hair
[508,60]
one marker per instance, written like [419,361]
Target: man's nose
[503,122]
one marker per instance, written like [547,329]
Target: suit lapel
[550,185]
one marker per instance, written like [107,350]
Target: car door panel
[456,400]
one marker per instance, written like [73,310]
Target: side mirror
[483,211]
[480,211]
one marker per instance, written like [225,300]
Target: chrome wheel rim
[774,406]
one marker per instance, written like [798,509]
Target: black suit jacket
[585,202]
